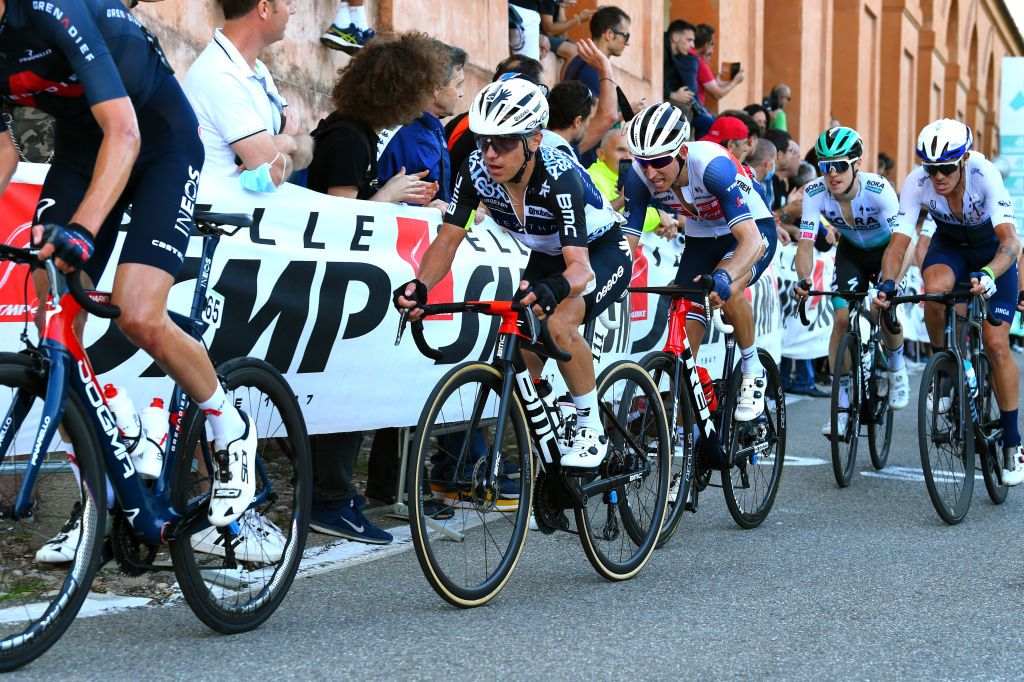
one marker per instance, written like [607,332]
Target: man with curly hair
[390,82]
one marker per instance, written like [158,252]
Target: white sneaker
[234,488]
[587,450]
[750,405]
[945,402]
[899,389]
[253,538]
[1013,465]
[844,424]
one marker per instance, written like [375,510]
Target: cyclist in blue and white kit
[975,239]
[729,230]
[579,260]
[863,207]
[125,134]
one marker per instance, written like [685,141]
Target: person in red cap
[733,134]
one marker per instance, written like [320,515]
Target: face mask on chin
[258,179]
[770,174]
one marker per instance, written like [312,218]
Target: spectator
[577,117]
[460,140]
[886,166]
[422,145]
[761,161]
[246,128]
[554,25]
[738,146]
[680,80]
[707,82]
[32,132]
[350,30]
[777,100]
[609,28]
[805,172]
[388,83]
[529,12]
[613,158]
[759,114]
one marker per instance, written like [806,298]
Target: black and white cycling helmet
[658,130]
[510,107]
[944,141]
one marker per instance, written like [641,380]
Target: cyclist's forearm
[8,160]
[436,263]
[578,275]
[1008,251]
[892,259]
[117,154]
[804,259]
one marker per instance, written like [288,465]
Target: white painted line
[914,474]
[96,604]
[794,461]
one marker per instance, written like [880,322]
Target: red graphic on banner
[412,243]
[638,302]
[17,206]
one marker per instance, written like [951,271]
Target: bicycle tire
[478,517]
[635,406]
[950,499]
[661,367]
[844,447]
[990,460]
[25,638]
[880,426]
[239,595]
[766,465]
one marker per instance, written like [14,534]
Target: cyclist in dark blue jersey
[125,135]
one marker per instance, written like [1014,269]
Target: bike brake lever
[403,319]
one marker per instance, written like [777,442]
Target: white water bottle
[129,425]
[155,426]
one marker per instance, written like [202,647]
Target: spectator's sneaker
[362,36]
[844,424]
[899,389]
[253,538]
[438,509]
[344,39]
[750,405]
[1013,465]
[587,451]
[347,522]
[234,483]
[61,547]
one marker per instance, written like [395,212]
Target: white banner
[1011,131]
[810,342]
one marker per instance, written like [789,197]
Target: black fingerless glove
[550,292]
[419,295]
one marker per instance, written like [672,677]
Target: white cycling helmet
[508,107]
[658,130]
[944,141]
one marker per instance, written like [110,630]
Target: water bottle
[972,378]
[149,458]
[128,422]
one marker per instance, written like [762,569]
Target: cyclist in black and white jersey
[579,260]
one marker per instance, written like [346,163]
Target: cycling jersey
[874,211]
[563,205]
[65,56]
[986,203]
[719,194]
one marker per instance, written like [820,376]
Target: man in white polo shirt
[245,124]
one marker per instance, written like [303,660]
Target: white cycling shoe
[750,404]
[945,402]
[844,424]
[587,451]
[253,538]
[61,548]
[899,389]
[1013,465]
[234,482]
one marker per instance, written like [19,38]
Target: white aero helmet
[508,107]
[944,141]
[658,130]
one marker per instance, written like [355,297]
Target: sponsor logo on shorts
[167,247]
[609,285]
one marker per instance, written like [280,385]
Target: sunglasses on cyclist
[659,162]
[500,144]
[840,166]
[944,168]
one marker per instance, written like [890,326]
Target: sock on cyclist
[586,411]
[749,363]
[895,357]
[1011,433]
[844,390]
[224,419]
[78,476]
[342,19]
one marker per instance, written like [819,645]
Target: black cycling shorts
[856,269]
[161,190]
[609,259]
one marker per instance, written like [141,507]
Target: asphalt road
[865,582]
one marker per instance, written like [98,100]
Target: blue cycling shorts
[965,259]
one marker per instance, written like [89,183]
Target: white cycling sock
[844,390]
[78,476]
[223,417]
[359,17]
[343,18]
[895,358]
[586,411]
[750,364]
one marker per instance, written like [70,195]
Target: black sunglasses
[944,168]
[500,144]
[620,33]
[840,166]
[659,162]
